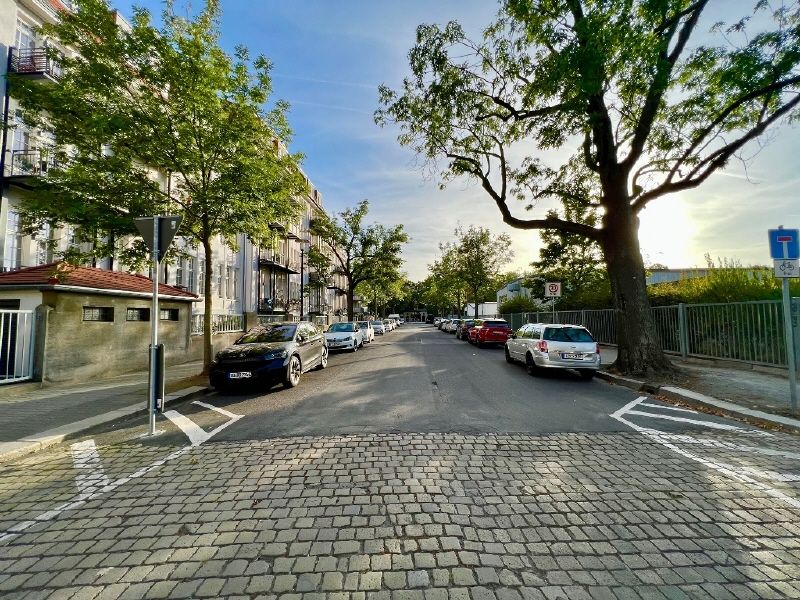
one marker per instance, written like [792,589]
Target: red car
[489,331]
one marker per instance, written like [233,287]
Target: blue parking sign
[784,244]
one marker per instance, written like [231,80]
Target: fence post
[796,329]
[683,330]
[583,318]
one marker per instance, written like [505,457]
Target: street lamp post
[302,278]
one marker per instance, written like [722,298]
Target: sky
[329,59]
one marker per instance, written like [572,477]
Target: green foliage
[621,89]
[727,281]
[518,304]
[153,121]
[359,253]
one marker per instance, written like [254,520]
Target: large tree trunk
[208,349]
[638,347]
[350,302]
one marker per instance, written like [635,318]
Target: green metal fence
[750,332]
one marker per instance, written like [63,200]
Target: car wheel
[587,374]
[355,347]
[530,365]
[508,357]
[478,343]
[323,361]
[293,371]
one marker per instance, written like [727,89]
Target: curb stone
[698,400]
[39,441]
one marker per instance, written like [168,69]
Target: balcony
[27,165]
[278,262]
[34,63]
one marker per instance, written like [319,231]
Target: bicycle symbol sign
[787,268]
[552,289]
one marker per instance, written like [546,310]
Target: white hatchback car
[378,327]
[344,336]
[367,332]
[550,346]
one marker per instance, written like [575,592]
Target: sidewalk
[735,390]
[33,415]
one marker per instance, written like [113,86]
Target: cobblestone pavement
[408,517]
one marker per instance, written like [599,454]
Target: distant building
[513,290]
[485,309]
[670,275]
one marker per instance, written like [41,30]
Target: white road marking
[685,420]
[86,460]
[92,492]
[82,499]
[668,407]
[221,411]
[196,434]
[737,473]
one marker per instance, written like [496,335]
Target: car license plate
[240,375]
[571,356]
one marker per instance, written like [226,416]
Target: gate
[16,345]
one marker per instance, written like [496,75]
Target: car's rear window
[567,334]
[494,324]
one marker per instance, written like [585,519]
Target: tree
[574,260]
[135,104]
[357,252]
[478,258]
[518,304]
[616,82]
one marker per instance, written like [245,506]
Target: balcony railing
[34,62]
[31,163]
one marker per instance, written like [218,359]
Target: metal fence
[16,345]
[750,332]
[219,324]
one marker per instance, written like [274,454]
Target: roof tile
[61,273]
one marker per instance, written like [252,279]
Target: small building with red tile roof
[96,323]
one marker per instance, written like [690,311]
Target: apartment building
[246,280]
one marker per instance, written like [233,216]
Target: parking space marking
[743,475]
[685,420]
[647,404]
[196,434]
[85,457]
[86,461]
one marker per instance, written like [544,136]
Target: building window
[44,252]
[137,314]
[179,272]
[169,314]
[12,257]
[190,274]
[220,280]
[201,276]
[229,278]
[98,313]
[236,282]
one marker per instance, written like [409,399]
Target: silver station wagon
[549,346]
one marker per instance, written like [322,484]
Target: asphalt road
[419,379]
[418,468]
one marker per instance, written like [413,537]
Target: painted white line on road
[732,472]
[668,407]
[685,420]
[82,499]
[221,411]
[196,434]
[86,461]
[91,494]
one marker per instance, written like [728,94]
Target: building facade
[246,280]
[513,290]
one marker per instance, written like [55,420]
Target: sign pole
[789,335]
[154,319]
